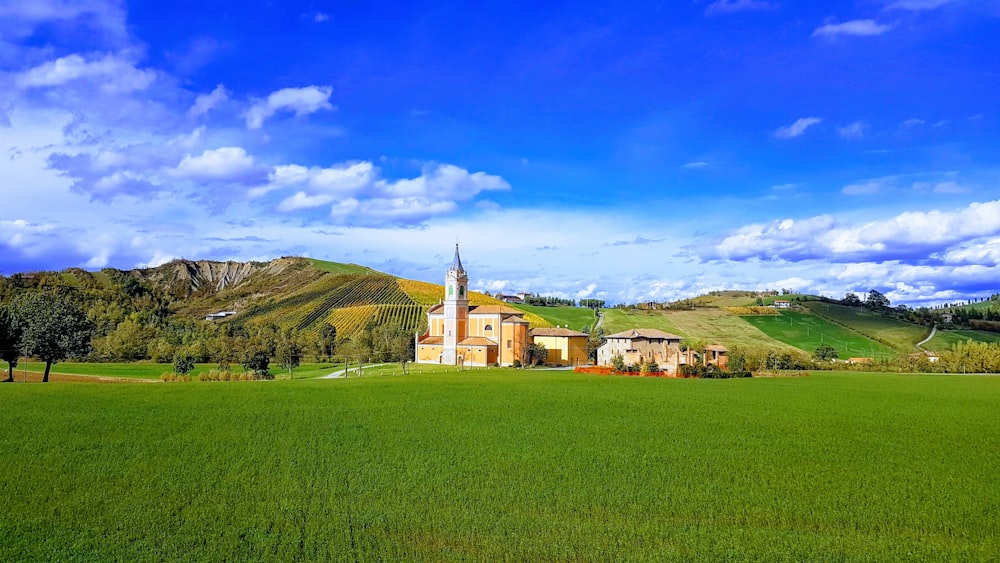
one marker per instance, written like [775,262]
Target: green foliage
[876,301]
[825,352]
[183,363]
[537,353]
[55,328]
[258,362]
[618,363]
[11,333]
[442,467]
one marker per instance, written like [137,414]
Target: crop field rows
[504,465]
[807,332]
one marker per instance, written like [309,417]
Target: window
[451,290]
[488,328]
[510,344]
[461,290]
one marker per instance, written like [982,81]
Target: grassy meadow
[504,465]
[708,325]
[807,332]
[945,339]
[898,334]
[575,317]
[153,371]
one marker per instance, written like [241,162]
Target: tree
[10,340]
[257,362]
[851,300]
[537,353]
[826,352]
[54,328]
[876,301]
[595,339]
[618,363]
[183,363]
[327,340]
[288,352]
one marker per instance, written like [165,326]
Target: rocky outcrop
[186,277]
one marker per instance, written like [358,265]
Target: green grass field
[338,268]
[576,317]
[898,334]
[709,325]
[504,465]
[808,332]
[945,339]
[149,370]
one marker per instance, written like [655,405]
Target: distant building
[509,298]
[716,355]
[642,344]
[565,347]
[782,304]
[219,315]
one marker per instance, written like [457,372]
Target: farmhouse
[642,344]
[716,355]
[782,304]
[458,334]
[565,347]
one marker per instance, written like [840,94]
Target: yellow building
[458,334]
[565,347]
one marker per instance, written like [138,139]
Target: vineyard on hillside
[351,301]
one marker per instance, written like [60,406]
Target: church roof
[493,310]
[432,340]
[456,264]
[477,341]
[555,332]
[645,333]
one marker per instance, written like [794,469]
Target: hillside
[290,292]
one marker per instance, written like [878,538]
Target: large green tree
[10,340]
[55,328]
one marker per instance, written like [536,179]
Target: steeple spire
[456,264]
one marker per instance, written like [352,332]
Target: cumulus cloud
[358,194]
[301,101]
[910,236]
[106,17]
[731,6]
[222,164]
[111,72]
[205,102]
[796,129]
[853,27]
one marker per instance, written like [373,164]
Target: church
[483,335]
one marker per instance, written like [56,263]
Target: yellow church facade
[458,334]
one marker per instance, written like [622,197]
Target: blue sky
[643,152]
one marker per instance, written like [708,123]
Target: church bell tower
[456,310]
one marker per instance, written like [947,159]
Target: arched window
[451,290]
[488,328]
[461,290]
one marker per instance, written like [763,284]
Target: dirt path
[920,344]
[36,377]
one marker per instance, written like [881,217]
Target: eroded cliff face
[187,277]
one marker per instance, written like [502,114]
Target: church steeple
[456,264]
[456,310]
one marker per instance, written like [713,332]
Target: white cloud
[302,101]
[732,6]
[359,194]
[868,187]
[854,27]
[226,163]
[798,128]
[917,5]
[205,102]
[913,122]
[112,74]
[321,17]
[908,237]
[695,165]
[853,131]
